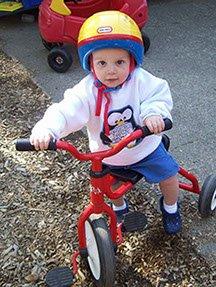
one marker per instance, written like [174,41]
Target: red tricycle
[100,235]
[60,22]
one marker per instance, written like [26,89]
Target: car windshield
[60,7]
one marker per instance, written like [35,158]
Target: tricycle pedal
[59,277]
[134,221]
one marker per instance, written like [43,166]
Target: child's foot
[120,212]
[172,222]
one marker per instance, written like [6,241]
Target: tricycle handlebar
[167,126]
[25,145]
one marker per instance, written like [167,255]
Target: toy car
[60,22]
[11,7]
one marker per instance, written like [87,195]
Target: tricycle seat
[126,175]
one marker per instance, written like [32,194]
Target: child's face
[111,66]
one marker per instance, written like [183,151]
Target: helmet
[109,29]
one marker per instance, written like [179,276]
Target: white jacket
[143,95]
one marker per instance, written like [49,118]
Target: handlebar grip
[168,126]
[25,145]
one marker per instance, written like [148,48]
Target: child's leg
[169,206]
[119,205]
[118,202]
[170,190]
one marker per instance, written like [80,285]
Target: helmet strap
[132,64]
[103,90]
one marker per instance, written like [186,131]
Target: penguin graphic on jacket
[121,123]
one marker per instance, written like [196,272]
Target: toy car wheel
[60,59]
[207,197]
[101,257]
[50,45]
[146,42]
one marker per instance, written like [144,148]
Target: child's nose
[112,69]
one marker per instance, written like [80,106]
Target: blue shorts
[156,167]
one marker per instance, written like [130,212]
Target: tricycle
[99,234]
[60,22]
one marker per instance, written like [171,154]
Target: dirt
[43,193]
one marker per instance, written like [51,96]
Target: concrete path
[183,41]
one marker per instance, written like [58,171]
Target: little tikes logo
[104,29]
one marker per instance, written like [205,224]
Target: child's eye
[102,63]
[120,62]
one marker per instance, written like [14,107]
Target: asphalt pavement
[183,41]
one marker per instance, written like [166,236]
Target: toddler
[114,99]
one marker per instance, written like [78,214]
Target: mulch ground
[42,195]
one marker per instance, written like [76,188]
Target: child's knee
[170,180]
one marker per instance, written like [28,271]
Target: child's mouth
[111,80]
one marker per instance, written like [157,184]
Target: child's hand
[40,140]
[155,124]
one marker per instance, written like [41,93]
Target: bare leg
[168,187]
[119,201]
[170,190]
[172,222]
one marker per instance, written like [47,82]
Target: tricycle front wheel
[207,197]
[101,257]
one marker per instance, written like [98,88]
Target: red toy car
[60,21]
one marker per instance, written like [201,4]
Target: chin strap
[106,109]
[104,91]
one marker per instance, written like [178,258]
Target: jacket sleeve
[65,117]
[156,99]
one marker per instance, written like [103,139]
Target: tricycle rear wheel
[207,197]
[101,257]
